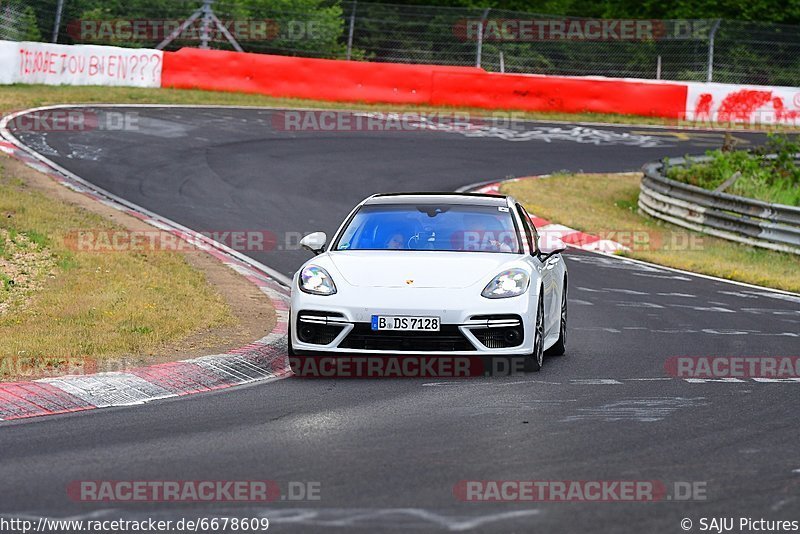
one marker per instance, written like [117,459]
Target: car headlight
[317,281]
[507,284]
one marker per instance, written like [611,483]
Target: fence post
[479,51]
[207,12]
[179,30]
[658,67]
[352,27]
[205,23]
[57,25]
[714,29]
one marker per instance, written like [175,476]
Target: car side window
[533,229]
[530,231]
[529,225]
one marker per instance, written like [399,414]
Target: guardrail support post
[205,23]
[481,25]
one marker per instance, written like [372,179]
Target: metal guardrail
[746,220]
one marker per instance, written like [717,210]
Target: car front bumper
[470,324]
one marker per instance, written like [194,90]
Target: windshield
[443,227]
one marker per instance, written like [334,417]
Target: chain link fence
[497,40]
[18,22]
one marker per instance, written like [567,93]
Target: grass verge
[19,97]
[64,309]
[606,205]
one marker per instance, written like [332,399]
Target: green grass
[58,304]
[606,205]
[6,283]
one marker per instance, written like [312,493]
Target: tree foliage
[780,11]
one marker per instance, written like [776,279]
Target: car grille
[449,338]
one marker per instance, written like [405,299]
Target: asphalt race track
[388,453]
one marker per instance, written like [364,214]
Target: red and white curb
[549,230]
[262,360]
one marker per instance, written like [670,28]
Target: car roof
[478,199]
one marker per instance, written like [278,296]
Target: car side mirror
[550,245]
[315,242]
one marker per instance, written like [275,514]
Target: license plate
[403,322]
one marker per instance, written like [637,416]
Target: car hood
[418,269]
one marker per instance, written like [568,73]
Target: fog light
[511,336]
[307,333]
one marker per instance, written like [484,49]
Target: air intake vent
[319,328]
[498,331]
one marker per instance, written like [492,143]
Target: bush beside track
[775,180]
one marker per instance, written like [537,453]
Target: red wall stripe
[358,81]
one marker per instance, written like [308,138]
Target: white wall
[9,55]
[756,104]
[54,64]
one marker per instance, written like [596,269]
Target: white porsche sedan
[433,274]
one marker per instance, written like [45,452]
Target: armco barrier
[750,221]
[355,81]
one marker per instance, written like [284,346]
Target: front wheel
[533,361]
[560,346]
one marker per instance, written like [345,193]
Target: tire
[533,361]
[560,346]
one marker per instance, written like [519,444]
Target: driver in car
[396,241]
[480,237]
